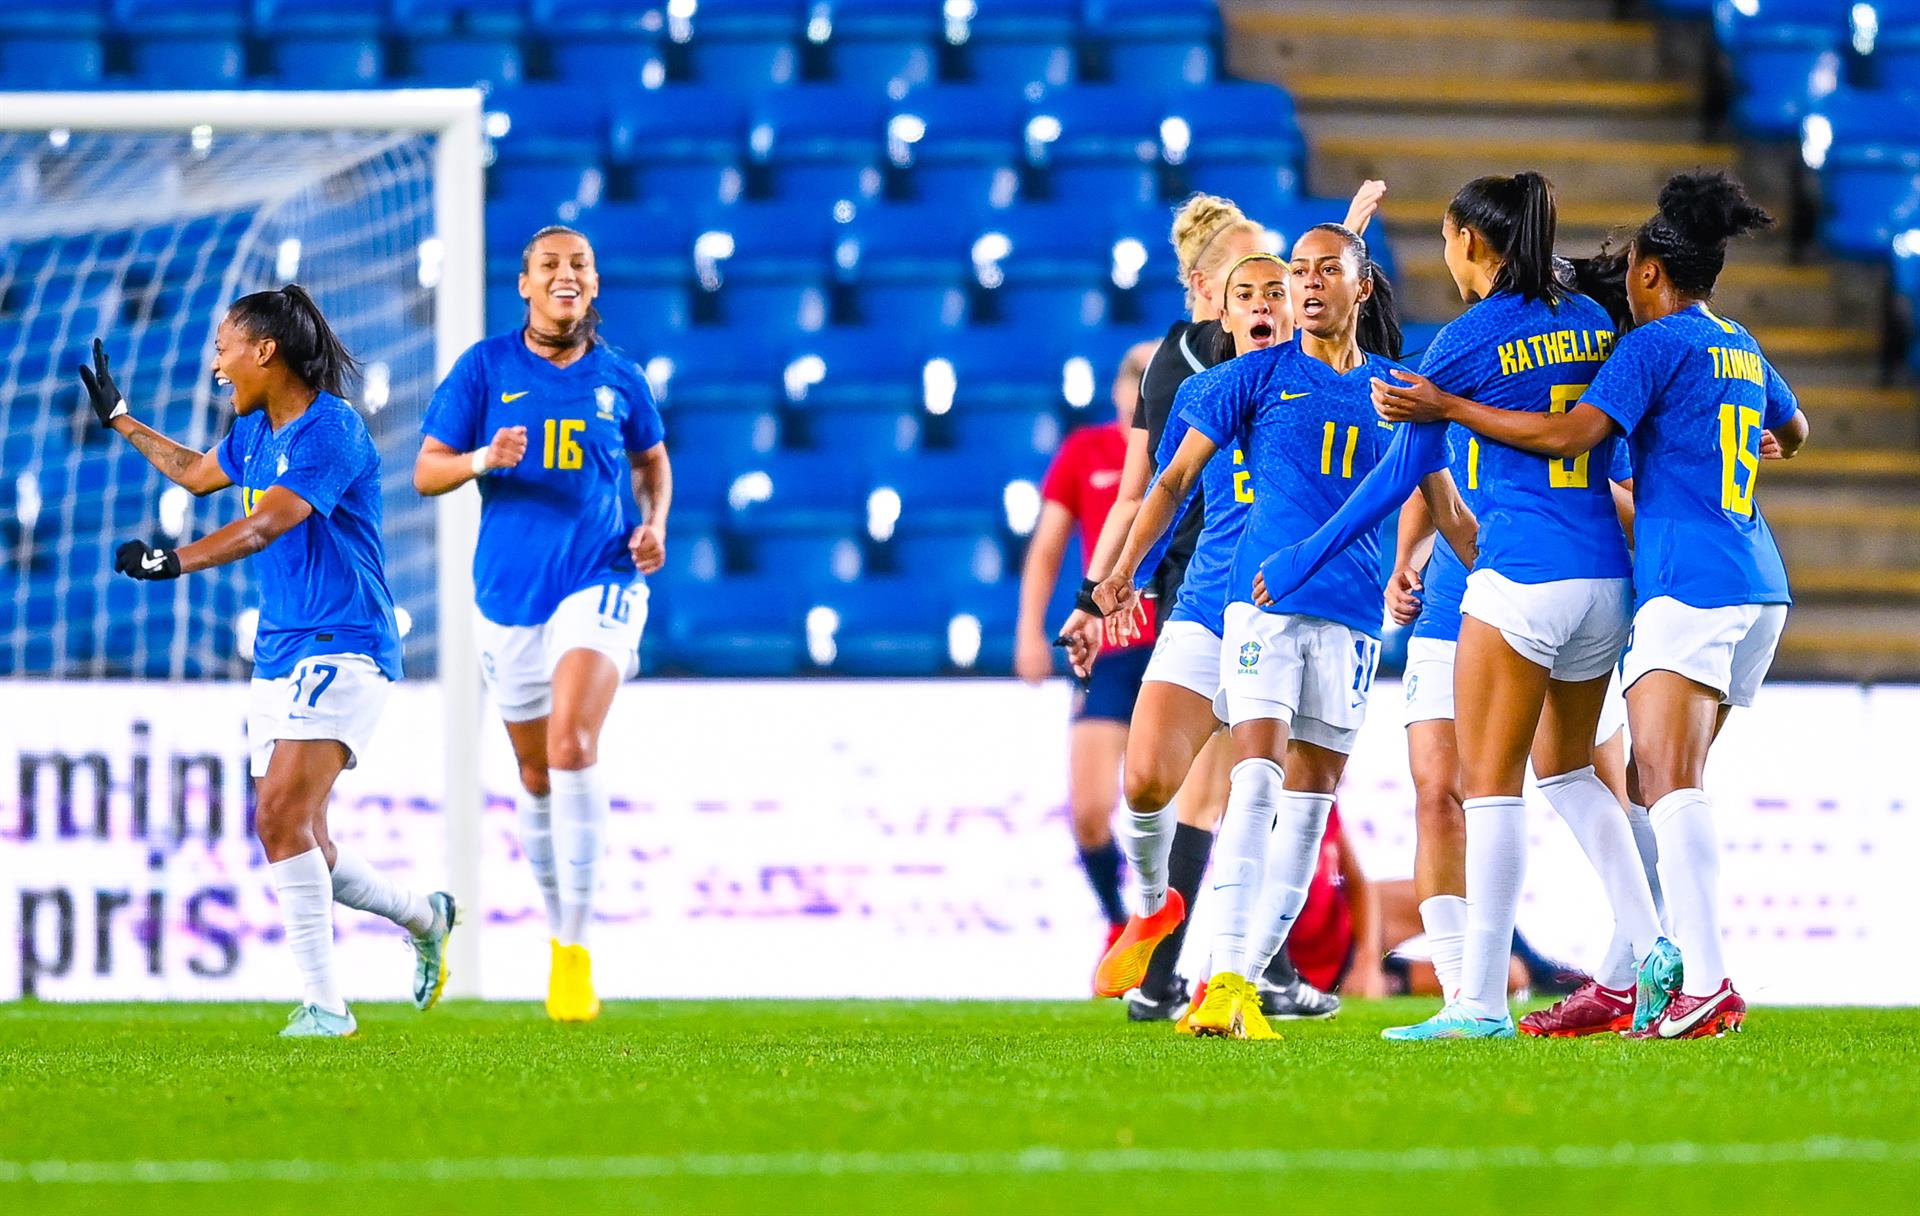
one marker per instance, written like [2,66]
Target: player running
[1295,678]
[553,423]
[327,649]
[1079,490]
[1701,407]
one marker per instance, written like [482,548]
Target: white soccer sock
[305,890]
[1147,839]
[579,819]
[1593,814]
[1690,874]
[1496,866]
[1293,853]
[534,817]
[1648,847]
[1239,858]
[358,885]
[1445,920]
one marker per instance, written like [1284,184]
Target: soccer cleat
[430,953]
[1171,1007]
[570,995]
[1698,1017]
[1253,1024]
[313,1022]
[1657,982]
[1295,1000]
[1124,965]
[1453,1022]
[1185,1024]
[1588,1009]
[1218,1016]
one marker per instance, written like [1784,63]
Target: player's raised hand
[136,559]
[649,548]
[1403,596]
[1366,201]
[102,393]
[508,448]
[1415,400]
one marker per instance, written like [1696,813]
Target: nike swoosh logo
[1293,396]
[1670,1029]
[153,561]
[510,398]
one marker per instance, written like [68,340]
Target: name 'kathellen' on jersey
[1554,348]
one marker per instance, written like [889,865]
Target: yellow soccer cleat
[1219,1015]
[570,995]
[1185,1024]
[1253,1023]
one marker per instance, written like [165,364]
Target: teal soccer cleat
[1452,1023]
[1659,978]
[430,953]
[313,1022]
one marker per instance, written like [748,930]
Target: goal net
[142,238]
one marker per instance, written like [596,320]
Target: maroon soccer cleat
[1698,1017]
[1588,1009]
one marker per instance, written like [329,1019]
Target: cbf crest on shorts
[1413,686]
[1249,656]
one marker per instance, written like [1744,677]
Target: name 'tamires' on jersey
[1693,393]
[1541,518]
[557,522]
[1310,435]
[323,582]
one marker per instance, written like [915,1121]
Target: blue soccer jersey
[557,522]
[1226,488]
[323,583]
[1310,435]
[1693,393]
[1541,518]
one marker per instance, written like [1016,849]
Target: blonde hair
[1199,229]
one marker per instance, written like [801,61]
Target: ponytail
[1516,216]
[1603,279]
[300,332]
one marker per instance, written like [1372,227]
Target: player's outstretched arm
[1116,594]
[1413,398]
[653,490]
[276,512]
[439,468]
[196,472]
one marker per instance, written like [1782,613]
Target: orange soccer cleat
[1125,964]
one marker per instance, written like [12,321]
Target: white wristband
[480,465]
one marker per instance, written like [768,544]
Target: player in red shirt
[1080,488]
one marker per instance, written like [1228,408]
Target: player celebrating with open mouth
[552,422]
[327,649]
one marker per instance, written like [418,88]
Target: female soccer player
[1296,678]
[1178,718]
[1078,491]
[327,649]
[552,422]
[1698,401]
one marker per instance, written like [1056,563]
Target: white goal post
[452,120]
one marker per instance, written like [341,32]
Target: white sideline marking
[1436,1159]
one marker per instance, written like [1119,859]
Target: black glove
[104,394]
[135,560]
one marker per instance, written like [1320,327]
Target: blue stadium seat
[854,370]
[949,559]
[1017,43]
[1896,52]
[1775,52]
[908,263]
[631,307]
[510,223]
[743,44]
[770,263]
[681,144]
[959,142]
[68,18]
[461,60]
[1054,270]
[877,44]
[797,492]
[1097,142]
[642,242]
[545,183]
[505,309]
[735,626]
[165,61]
[337,18]
[1010,439]
[554,122]
[203,18]
[999,369]
[710,449]
[872,438]
[814,558]
[603,43]
[1872,168]
[948,491]
[51,61]
[712,368]
[495,18]
[820,141]
[323,61]
[1242,140]
[1157,44]
[888,627]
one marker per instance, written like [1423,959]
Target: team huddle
[1584,441]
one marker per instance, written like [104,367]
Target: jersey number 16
[562,448]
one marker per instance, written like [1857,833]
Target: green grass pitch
[930,1108]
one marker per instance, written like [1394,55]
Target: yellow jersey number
[1737,425]
[562,449]
[1563,474]
[1242,478]
[1326,450]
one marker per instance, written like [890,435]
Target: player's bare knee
[283,821]
[534,780]
[1148,789]
[571,749]
[1439,815]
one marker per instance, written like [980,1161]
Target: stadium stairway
[1428,93]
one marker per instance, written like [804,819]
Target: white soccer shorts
[1188,654]
[518,660]
[1727,649]
[326,696]
[1573,627]
[1613,712]
[1428,680]
[1313,674]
